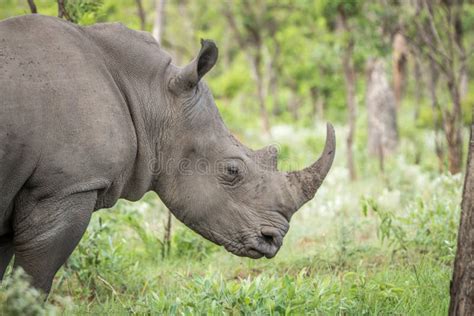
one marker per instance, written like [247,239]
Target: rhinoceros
[90,115]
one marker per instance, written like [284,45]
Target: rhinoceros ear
[189,76]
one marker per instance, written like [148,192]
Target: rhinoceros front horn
[305,183]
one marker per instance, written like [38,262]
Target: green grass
[276,288]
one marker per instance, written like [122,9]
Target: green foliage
[425,225]
[95,253]
[17,298]
[230,83]
[83,12]
[187,244]
[467,105]
[427,116]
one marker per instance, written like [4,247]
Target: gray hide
[89,115]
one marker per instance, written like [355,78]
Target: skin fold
[89,115]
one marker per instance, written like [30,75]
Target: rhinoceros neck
[138,66]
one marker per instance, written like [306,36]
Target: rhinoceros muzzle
[271,240]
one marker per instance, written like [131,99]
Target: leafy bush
[17,298]
[83,11]
[188,244]
[102,254]
[426,225]
[467,105]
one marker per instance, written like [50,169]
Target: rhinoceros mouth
[254,253]
[263,247]
[257,254]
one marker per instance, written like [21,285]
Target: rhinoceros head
[228,193]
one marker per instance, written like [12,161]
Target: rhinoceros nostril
[271,235]
[267,238]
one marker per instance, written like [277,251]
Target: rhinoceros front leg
[6,253]
[44,239]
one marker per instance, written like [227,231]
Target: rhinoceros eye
[231,173]
[232,170]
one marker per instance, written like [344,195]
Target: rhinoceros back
[59,108]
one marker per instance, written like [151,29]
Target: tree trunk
[252,44]
[61,9]
[464,84]
[320,107]
[437,122]
[159,23]
[453,119]
[419,82]
[453,129]
[273,79]
[450,58]
[294,105]
[165,253]
[462,283]
[273,88]
[454,140]
[318,103]
[32,5]
[258,77]
[458,39]
[381,112]
[399,59]
[349,76]
[62,12]
[141,14]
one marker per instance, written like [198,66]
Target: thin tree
[317,100]
[160,20]
[420,82]
[437,114]
[350,80]
[273,70]
[250,38]
[462,283]
[32,5]
[62,11]
[399,62]
[437,34]
[141,14]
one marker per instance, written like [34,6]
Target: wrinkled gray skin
[89,115]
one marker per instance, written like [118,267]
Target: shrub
[17,297]
[425,225]
[188,244]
